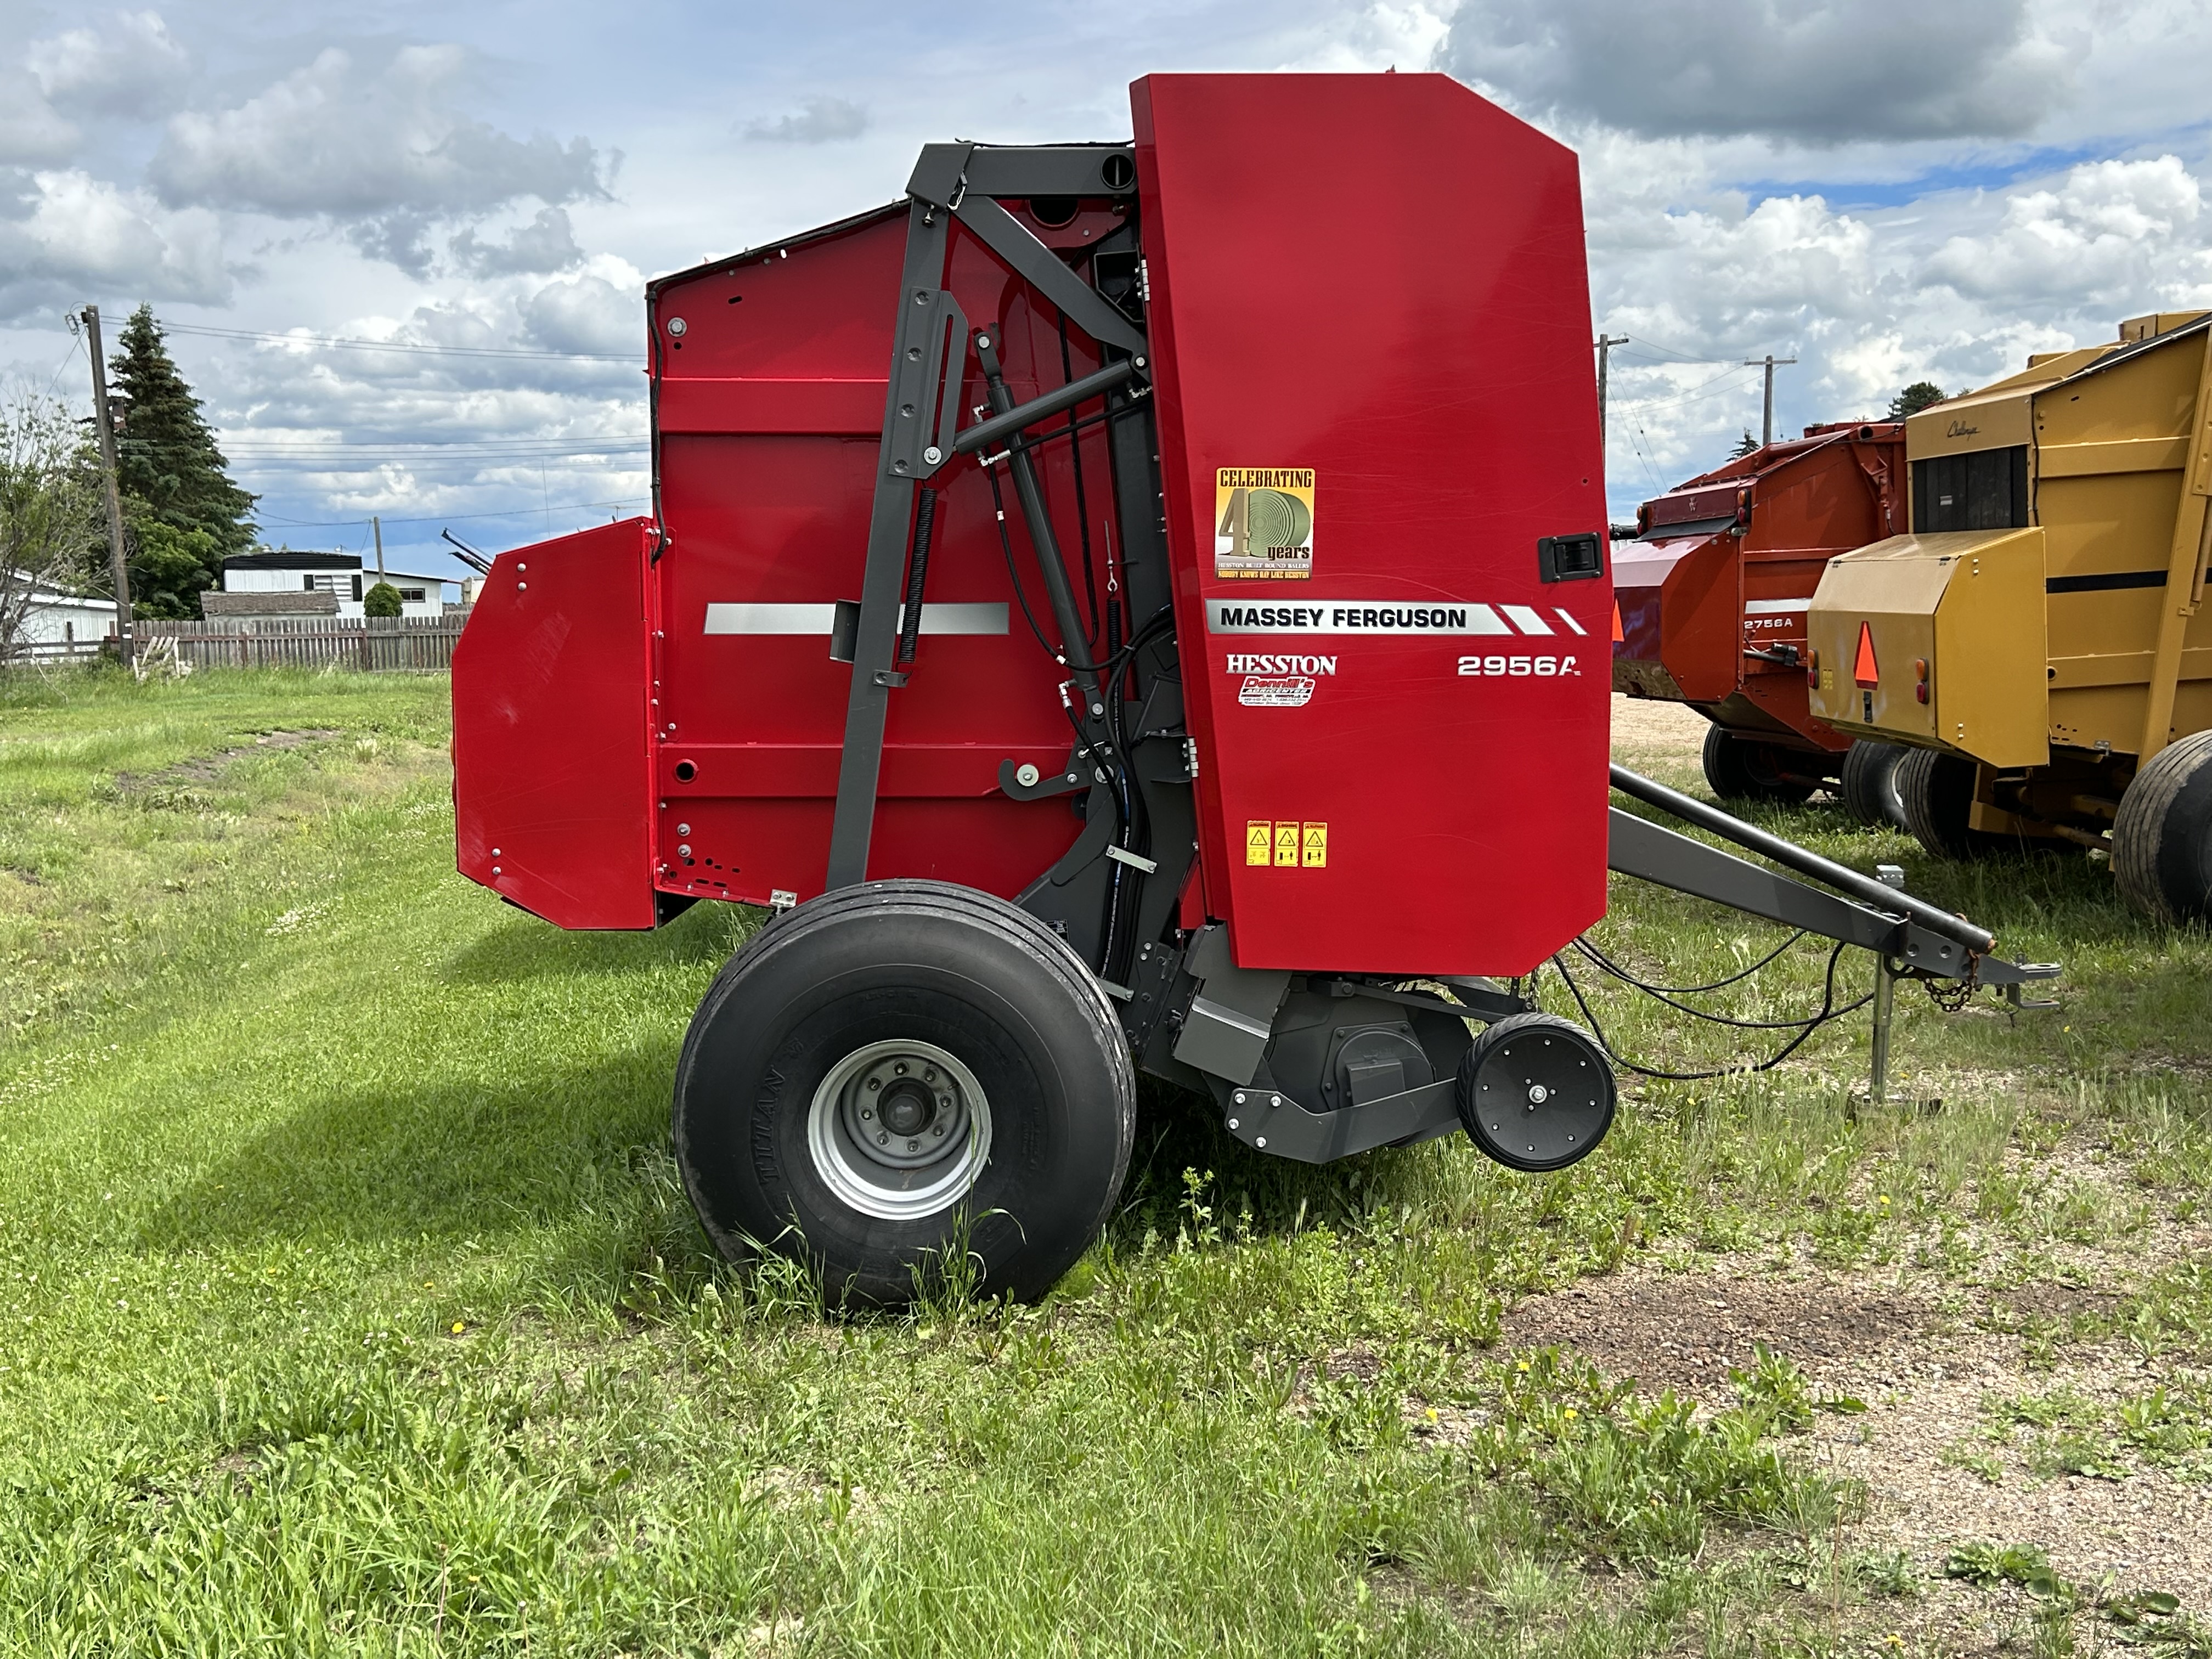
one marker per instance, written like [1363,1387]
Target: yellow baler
[2041,635]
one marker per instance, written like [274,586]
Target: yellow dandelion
[1572,1413]
[459,1325]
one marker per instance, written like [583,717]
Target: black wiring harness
[1668,994]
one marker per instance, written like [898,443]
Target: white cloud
[383,148]
[546,243]
[1813,70]
[588,313]
[2098,235]
[75,235]
[820,121]
[129,65]
[32,132]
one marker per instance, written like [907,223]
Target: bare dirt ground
[1645,731]
[1933,1359]
[1941,1466]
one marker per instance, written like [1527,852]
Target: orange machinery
[1711,600]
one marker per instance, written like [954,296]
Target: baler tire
[1740,768]
[2162,833]
[1937,791]
[1869,784]
[1574,1123]
[765,1095]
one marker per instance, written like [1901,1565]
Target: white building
[338,574]
[57,622]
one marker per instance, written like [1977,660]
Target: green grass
[348,1303]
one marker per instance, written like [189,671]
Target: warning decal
[1263,518]
[1287,843]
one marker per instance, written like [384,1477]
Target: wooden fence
[370,644]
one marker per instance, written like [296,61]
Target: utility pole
[377,525]
[1605,345]
[1766,428]
[116,566]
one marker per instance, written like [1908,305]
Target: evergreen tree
[1921,394]
[1744,445]
[188,516]
[382,600]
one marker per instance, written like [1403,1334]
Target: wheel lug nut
[939,1129]
[929,1075]
[882,1140]
[900,1068]
[875,1082]
[867,1111]
[914,1145]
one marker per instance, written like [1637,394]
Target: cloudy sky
[1885,194]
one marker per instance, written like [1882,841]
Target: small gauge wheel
[1536,1093]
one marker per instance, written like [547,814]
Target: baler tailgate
[551,758]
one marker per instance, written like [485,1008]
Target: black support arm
[1865,888]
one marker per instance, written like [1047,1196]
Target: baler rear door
[1370,316]
[552,780]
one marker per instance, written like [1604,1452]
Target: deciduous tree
[50,528]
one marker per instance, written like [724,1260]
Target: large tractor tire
[902,1080]
[1740,768]
[1870,784]
[2162,834]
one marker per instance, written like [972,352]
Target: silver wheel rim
[899,1130]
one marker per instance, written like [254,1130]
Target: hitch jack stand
[1885,989]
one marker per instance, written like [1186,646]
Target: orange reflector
[1619,637]
[1864,670]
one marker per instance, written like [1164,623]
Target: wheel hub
[899,1129]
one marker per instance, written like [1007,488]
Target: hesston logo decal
[1242,663]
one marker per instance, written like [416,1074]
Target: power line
[1671,352]
[452,518]
[1692,394]
[401,345]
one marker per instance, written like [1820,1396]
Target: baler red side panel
[1380,279]
[551,785]
[771,405]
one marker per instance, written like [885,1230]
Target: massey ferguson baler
[1106,633]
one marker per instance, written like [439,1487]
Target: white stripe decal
[1352,617]
[1775,607]
[820,619]
[1571,622]
[1525,618]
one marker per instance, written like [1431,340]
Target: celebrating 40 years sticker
[1263,520]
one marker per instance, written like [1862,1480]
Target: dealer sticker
[1275,692]
[1278,680]
[1263,520]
